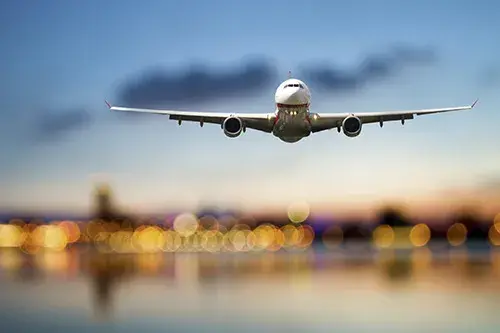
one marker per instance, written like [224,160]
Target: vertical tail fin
[289,74]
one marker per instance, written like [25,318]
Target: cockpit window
[294,85]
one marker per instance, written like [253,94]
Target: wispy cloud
[373,68]
[54,125]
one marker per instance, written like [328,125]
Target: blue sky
[60,57]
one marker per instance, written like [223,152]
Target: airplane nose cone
[293,96]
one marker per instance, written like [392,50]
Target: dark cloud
[54,125]
[196,84]
[373,68]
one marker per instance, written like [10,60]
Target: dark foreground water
[351,290]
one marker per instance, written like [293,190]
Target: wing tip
[474,104]
[107,104]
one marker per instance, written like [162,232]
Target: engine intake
[351,126]
[232,126]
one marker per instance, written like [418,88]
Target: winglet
[107,103]
[474,104]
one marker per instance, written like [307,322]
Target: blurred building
[476,228]
[103,198]
[105,207]
[393,217]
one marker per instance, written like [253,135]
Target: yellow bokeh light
[212,240]
[279,240]
[457,234]
[291,235]
[298,212]
[93,228]
[496,222]
[264,236]
[50,237]
[11,235]
[173,241]
[494,236]
[71,229]
[30,245]
[226,241]
[306,236]
[383,236]
[239,240]
[121,242]
[148,239]
[55,238]
[186,224]
[251,240]
[420,235]
[197,241]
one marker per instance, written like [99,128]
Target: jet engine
[232,126]
[351,126]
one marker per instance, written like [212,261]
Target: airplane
[291,121]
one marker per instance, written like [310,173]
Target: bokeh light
[186,224]
[306,236]
[50,237]
[264,235]
[420,235]
[298,212]
[494,235]
[71,229]
[11,235]
[457,234]
[383,236]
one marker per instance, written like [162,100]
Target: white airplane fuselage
[292,122]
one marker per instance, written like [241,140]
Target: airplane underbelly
[291,129]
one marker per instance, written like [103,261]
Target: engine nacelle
[232,126]
[351,126]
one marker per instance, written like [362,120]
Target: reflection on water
[364,290]
[397,268]
[106,272]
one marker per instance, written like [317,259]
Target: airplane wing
[325,121]
[257,121]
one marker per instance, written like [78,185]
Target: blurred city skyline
[105,203]
[57,137]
